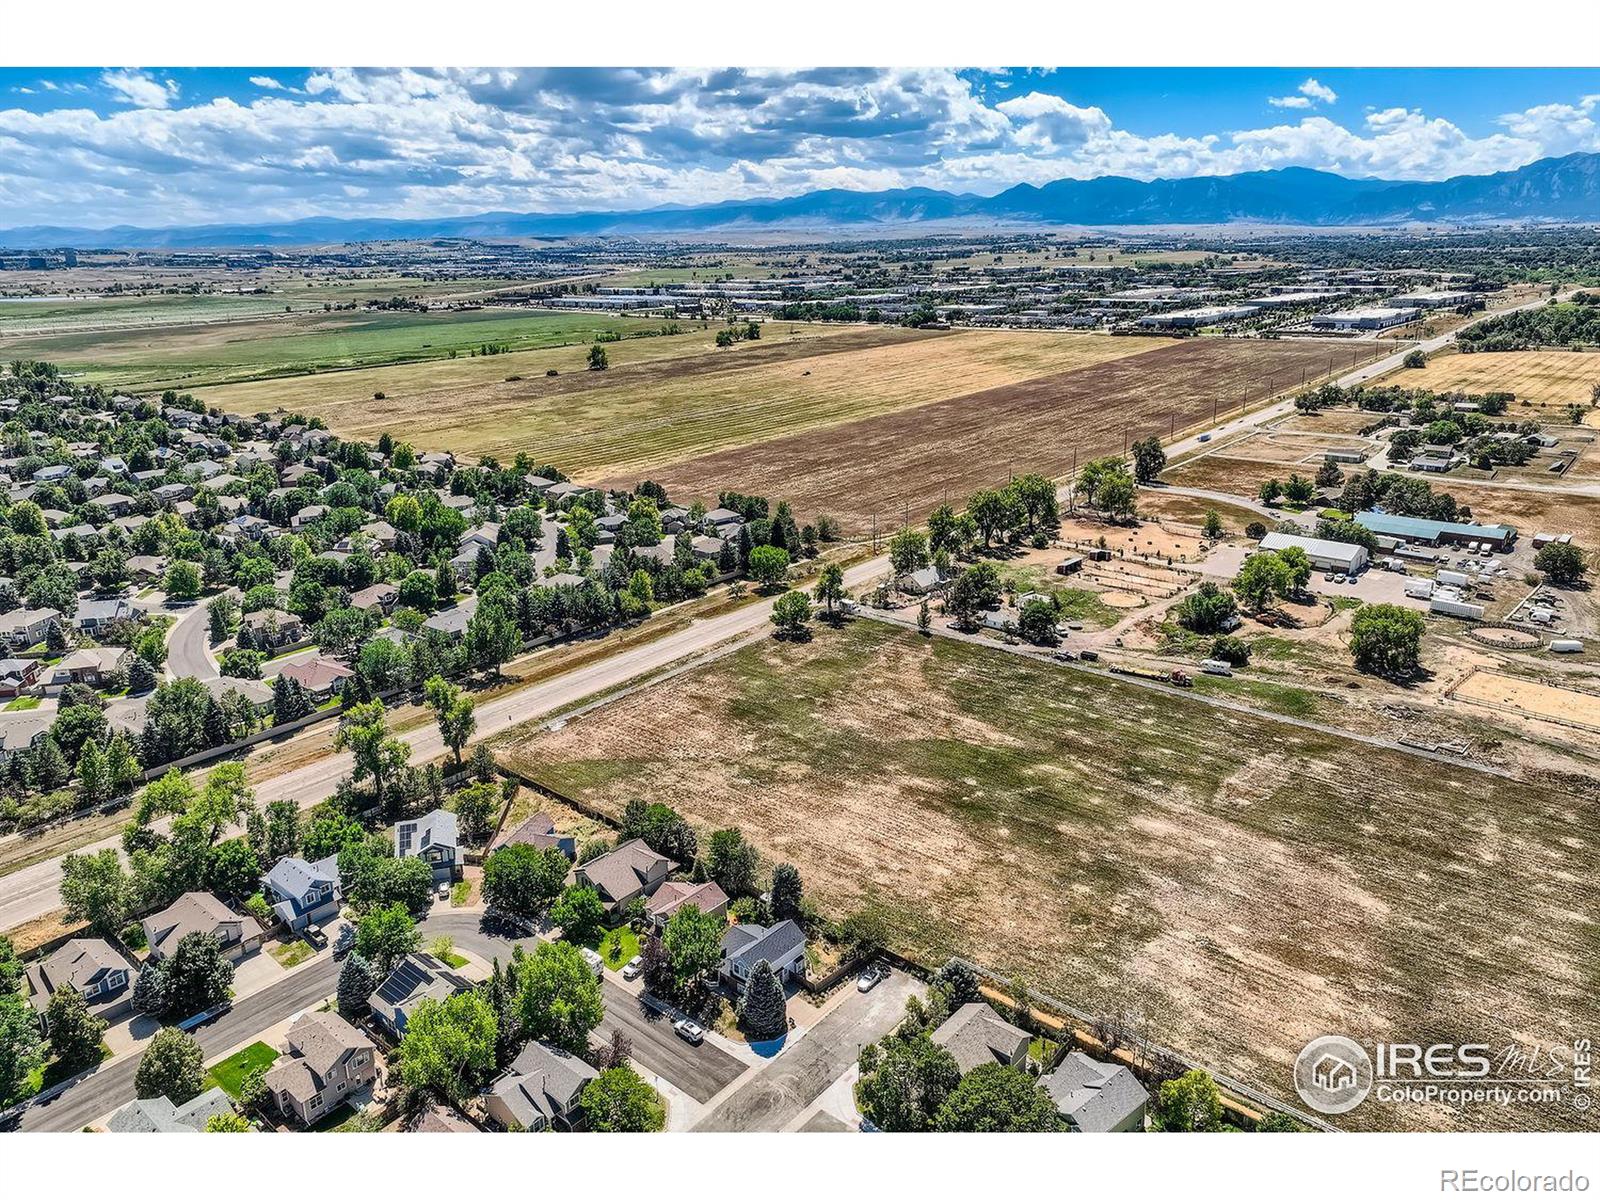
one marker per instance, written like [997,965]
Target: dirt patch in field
[1224,473]
[1530,698]
[902,465]
[1245,883]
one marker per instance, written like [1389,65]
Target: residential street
[777,1093]
[112,1086]
[33,891]
[188,644]
[699,1071]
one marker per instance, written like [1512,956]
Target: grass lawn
[614,946]
[230,1072]
[292,954]
[1244,883]
[461,894]
[23,703]
[48,1074]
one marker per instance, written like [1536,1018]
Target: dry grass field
[902,464]
[1533,512]
[666,399]
[1541,377]
[1246,884]
[1220,472]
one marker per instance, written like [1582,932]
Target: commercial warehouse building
[1194,318]
[1434,299]
[1436,533]
[1365,318]
[1324,555]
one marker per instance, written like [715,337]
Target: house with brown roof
[201,912]
[708,897]
[326,1061]
[975,1034]
[320,676]
[272,627]
[632,869]
[92,966]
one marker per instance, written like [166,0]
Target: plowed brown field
[905,463]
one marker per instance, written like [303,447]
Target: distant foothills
[1552,189]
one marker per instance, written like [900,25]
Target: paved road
[34,891]
[699,1071]
[779,1092]
[109,1088]
[188,644]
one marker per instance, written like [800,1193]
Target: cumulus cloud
[1308,95]
[425,143]
[140,89]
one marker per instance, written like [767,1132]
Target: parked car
[314,935]
[871,977]
[344,941]
[634,967]
[443,890]
[689,1031]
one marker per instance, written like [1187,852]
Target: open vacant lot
[666,399]
[906,462]
[1541,377]
[1244,884]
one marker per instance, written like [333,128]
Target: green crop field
[1244,884]
[303,344]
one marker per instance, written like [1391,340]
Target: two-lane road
[111,1086]
[699,1071]
[35,890]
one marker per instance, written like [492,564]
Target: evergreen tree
[959,981]
[55,638]
[356,983]
[290,700]
[216,725]
[141,677]
[787,895]
[50,768]
[763,1008]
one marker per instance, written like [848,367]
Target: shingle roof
[1094,1096]
[543,1081]
[748,944]
[672,896]
[160,1115]
[79,961]
[624,870]
[975,1034]
[295,876]
[318,1040]
[437,828]
[189,913]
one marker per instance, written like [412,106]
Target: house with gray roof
[201,912]
[782,947]
[432,838]
[327,1060]
[975,1034]
[539,1090]
[452,622]
[24,627]
[21,731]
[1097,1097]
[94,615]
[94,968]
[303,893]
[415,978]
[632,869]
[538,831]
[160,1115]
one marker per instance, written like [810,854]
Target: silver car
[689,1031]
[634,967]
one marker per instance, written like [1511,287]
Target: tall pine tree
[763,1008]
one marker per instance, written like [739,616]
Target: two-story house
[432,838]
[327,1059]
[92,966]
[782,947]
[303,893]
[201,912]
[539,1090]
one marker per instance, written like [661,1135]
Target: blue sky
[150,146]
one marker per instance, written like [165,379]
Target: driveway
[776,1094]
[700,1072]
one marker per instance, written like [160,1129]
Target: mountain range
[1552,189]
